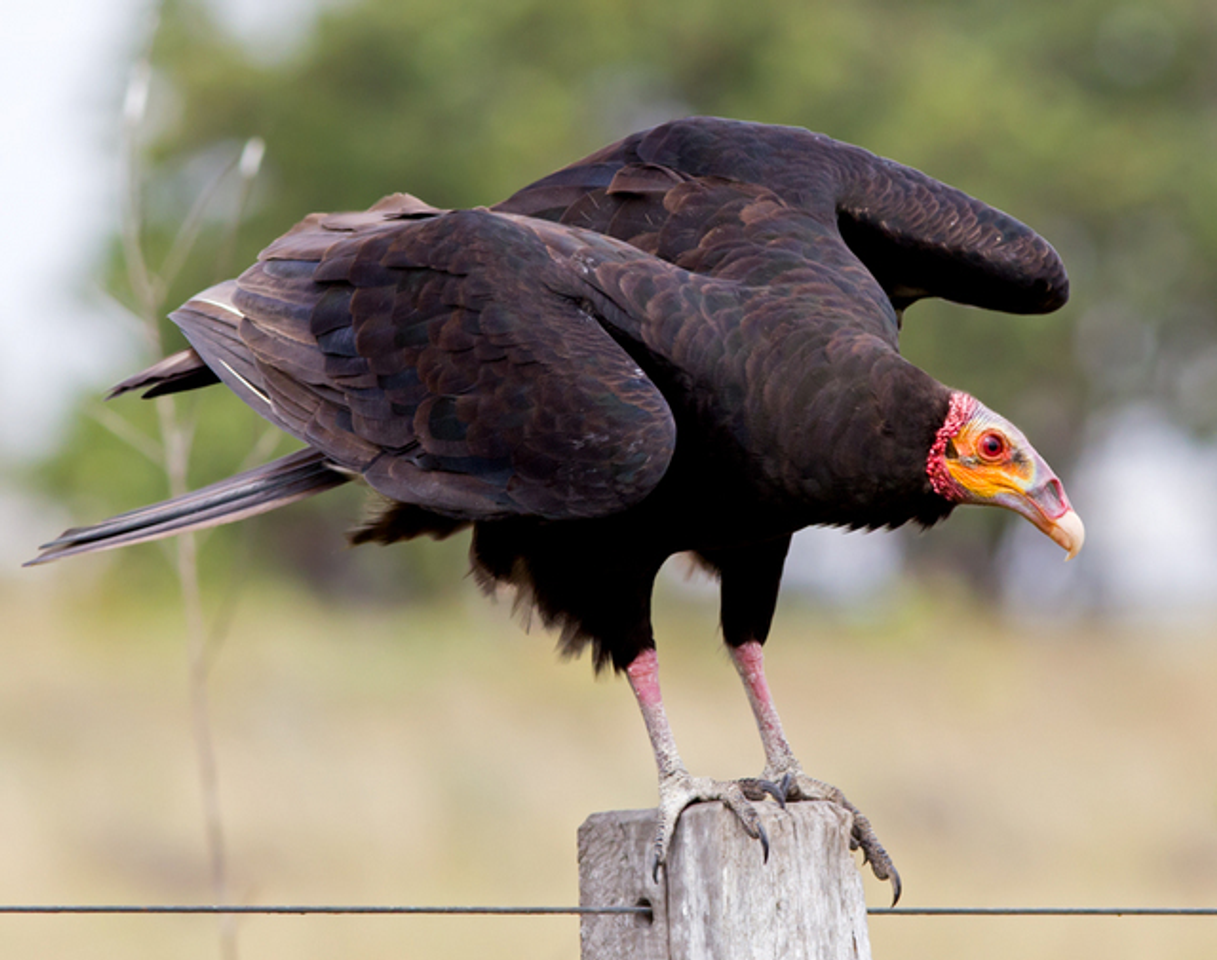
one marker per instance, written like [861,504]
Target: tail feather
[181,371]
[247,494]
[213,326]
[217,354]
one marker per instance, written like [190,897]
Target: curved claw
[897,887]
[775,790]
[799,786]
[881,865]
[756,788]
[863,835]
[681,790]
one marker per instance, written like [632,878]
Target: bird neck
[861,450]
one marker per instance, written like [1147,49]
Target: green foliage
[1092,121]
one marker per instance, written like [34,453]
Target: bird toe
[757,788]
[680,791]
[798,786]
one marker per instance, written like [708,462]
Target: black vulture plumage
[687,341]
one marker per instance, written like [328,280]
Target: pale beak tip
[1069,531]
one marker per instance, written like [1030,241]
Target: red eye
[991,446]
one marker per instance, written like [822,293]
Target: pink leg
[643,673]
[677,789]
[782,766]
[750,662]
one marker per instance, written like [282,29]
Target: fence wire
[637,910]
[317,909]
[1043,911]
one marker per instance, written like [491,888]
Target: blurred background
[1020,731]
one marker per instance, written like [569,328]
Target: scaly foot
[795,785]
[679,789]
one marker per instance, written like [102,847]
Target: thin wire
[1044,911]
[311,909]
[584,911]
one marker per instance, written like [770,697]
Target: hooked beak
[1045,504]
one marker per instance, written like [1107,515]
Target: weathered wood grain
[717,899]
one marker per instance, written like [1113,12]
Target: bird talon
[798,786]
[779,791]
[897,886]
[679,790]
[758,788]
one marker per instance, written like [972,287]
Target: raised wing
[917,237]
[432,353]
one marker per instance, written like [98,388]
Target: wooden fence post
[717,899]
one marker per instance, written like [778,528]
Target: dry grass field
[427,755]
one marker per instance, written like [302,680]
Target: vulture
[685,342]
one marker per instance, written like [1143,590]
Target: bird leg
[677,787]
[782,767]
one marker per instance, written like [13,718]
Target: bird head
[981,457]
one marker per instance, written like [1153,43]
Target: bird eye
[992,446]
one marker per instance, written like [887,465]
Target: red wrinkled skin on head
[959,412]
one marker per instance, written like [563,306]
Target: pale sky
[63,72]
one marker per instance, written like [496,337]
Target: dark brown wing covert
[432,353]
[917,236]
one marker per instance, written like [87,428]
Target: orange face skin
[980,457]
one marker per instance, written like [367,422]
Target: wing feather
[438,355]
[916,236]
